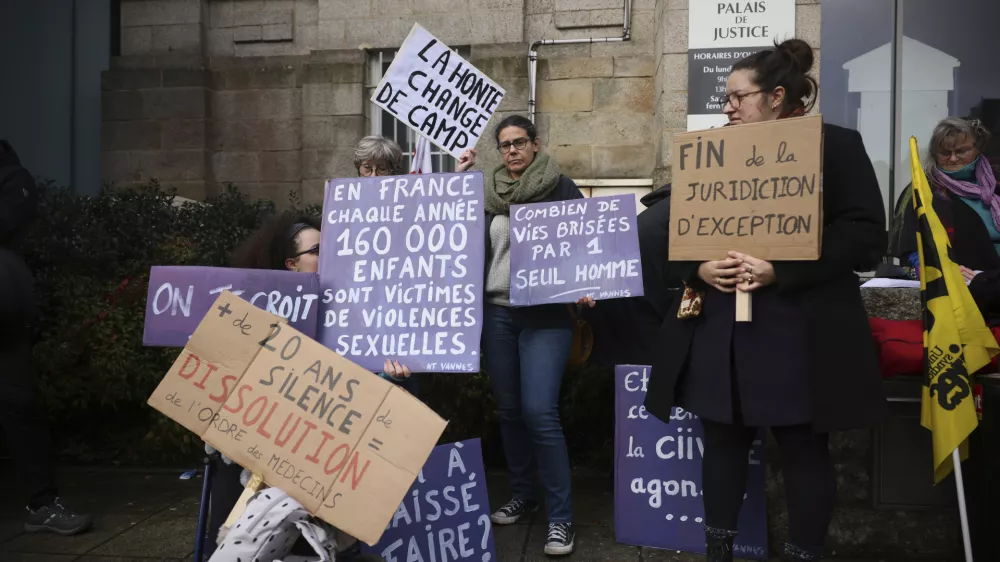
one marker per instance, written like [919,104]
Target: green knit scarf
[537,182]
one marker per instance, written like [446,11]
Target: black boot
[796,554]
[719,545]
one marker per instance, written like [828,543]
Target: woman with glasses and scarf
[806,365]
[526,349]
[967,201]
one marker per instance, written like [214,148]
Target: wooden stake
[744,307]
[255,484]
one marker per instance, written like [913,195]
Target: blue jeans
[526,368]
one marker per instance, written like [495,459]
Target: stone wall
[154,127]
[272,94]
[272,126]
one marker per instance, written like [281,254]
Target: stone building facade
[271,95]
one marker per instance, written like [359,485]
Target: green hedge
[91,257]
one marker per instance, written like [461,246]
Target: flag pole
[963,513]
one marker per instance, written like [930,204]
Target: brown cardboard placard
[340,440]
[755,189]
[210,367]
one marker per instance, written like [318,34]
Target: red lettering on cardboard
[239,400]
[182,374]
[222,395]
[347,450]
[352,469]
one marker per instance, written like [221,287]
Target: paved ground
[150,516]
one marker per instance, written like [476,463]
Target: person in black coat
[526,349]
[807,364]
[21,413]
[625,330]
[965,190]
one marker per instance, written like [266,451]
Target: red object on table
[901,346]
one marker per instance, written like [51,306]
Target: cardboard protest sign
[401,270]
[658,493]
[437,93]
[446,513]
[343,442]
[753,188]
[565,250]
[179,297]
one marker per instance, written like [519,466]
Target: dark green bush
[91,257]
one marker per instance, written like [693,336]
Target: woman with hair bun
[806,365]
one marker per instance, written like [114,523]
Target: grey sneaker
[560,539]
[513,511]
[57,518]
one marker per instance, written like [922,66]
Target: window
[892,69]
[856,79]
[385,124]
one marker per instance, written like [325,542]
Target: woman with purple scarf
[968,203]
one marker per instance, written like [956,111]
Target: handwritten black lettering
[276,327]
[754,159]
[242,324]
[782,159]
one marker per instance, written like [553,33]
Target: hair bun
[800,51]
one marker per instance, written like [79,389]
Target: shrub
[91,258]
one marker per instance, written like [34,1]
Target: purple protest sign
[565,250]
[445,514]
[180,296]
[402,270]
[658,477]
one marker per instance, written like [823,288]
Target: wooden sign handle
[255,484]
[744,307]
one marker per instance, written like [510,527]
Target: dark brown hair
[516,121]
[787,65]
[273,243]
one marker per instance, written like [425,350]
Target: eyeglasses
[736,99]
[314,251]
[960,154]
[367,170]
[518,143]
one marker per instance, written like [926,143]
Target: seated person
[967,201]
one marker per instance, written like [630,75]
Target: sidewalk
[150,516]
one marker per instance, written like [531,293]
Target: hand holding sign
[755,273]
[751,192]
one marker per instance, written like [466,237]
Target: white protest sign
[437,93]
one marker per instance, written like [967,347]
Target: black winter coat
[18,201]
[843,382]
[625,329]
[545,315]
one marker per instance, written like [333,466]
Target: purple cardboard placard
[445,515]
[180,296]
[402,270]
[658,477]
[565,250]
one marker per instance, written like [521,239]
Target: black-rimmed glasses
[735,99]
[518,143]
[314,251]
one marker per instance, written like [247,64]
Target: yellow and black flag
[957,341]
